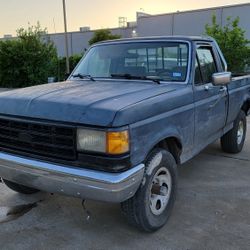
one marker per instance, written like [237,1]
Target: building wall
[155,25]
[79,41]
[243,12]
[192,22]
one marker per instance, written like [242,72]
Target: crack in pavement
[229,157]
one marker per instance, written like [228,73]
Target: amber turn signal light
[117,142]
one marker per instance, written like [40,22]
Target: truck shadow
[13,212]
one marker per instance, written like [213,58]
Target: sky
[94,13]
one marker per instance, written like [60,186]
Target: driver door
[210,100]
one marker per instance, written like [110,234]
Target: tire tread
[229,140]
[131,207]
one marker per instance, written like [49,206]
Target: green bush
[27,60]
[102,35]
[60,66]
[233,43]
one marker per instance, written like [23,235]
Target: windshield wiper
[129,76]
[82,76]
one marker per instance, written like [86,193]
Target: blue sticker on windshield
[176,74]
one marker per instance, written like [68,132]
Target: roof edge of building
[197,10]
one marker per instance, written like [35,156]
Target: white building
[192,22]
[179,23]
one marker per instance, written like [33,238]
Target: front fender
[145,135]
[169,133]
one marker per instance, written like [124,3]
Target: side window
[207,63]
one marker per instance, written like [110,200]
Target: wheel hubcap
[240,132]
[160,191]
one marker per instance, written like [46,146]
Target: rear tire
[233,141]
[151,206]
[19,188]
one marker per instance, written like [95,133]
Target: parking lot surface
[212,211]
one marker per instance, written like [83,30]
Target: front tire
[151,206]
[233,141]
[19,188]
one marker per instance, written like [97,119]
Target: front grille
[35,138]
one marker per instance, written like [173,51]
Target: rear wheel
[152,204]
[19,188]
[233,141]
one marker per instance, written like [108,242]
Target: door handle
[207,87]
[222,91]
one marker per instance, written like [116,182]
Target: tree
[232,41]
[102,35]
[27,60]
[61,65]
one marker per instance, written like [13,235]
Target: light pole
[66,37]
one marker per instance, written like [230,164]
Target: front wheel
[233,141]
[152,204]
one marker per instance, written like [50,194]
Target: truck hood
[81,102]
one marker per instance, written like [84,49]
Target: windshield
[167,61]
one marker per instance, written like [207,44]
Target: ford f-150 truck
[128,115]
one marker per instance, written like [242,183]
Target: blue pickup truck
[128,115]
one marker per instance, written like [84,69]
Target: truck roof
[159,38]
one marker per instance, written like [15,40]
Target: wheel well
[246,107]
[173,145]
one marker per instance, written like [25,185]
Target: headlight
[91,140]
[101,141]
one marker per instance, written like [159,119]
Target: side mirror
[222,78]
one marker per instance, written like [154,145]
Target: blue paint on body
[152,111]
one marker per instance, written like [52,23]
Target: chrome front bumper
[82,183]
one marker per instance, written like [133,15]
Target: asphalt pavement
[212,211]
